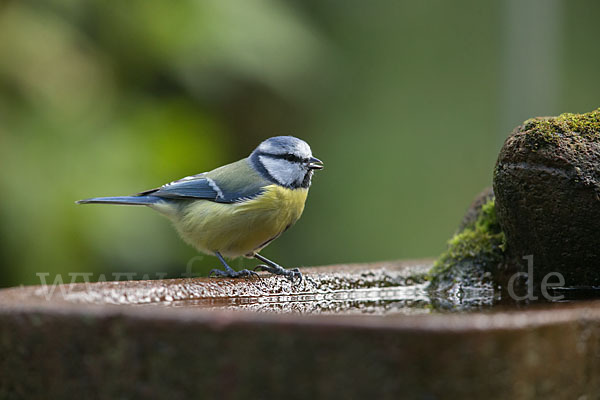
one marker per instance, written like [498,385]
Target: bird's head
[286,160]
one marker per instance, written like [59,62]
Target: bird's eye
[290,157]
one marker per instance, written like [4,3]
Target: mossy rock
[547,187]
[475,254]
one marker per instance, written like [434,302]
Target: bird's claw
[293,274]
[248,273]
[244,273]
[290,274]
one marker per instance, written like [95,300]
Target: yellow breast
[241,228]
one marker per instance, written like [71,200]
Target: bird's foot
[292,274]
[230,273]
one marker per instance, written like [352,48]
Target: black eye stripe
[288,157]
[292,158]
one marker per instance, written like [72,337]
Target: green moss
[574,127]
[473,254]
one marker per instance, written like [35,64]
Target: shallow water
[393,300]
[412,299]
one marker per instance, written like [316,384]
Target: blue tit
[239,208]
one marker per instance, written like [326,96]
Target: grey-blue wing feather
[228,184]
[196,188]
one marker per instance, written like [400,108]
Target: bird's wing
[227,184]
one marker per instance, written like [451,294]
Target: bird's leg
[230,272]
[276,269]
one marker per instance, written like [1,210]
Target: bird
[237,209]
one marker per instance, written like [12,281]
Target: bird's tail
[127,200]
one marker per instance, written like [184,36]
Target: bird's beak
[315,163]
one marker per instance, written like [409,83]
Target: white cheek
[284,172]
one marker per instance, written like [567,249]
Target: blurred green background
[407,102]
